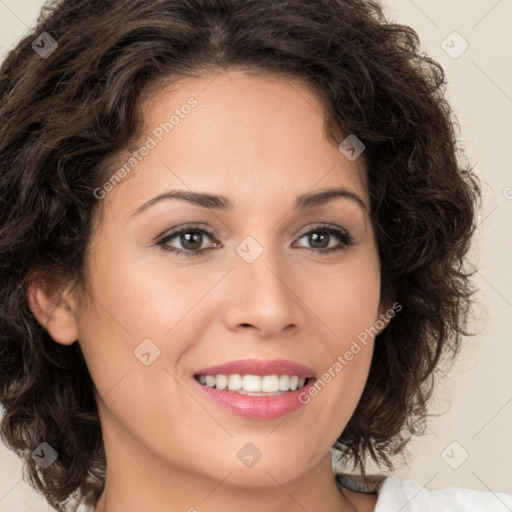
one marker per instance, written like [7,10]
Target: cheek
[136,299]
[340,384]
[345,300]
[348,306]
[133,303]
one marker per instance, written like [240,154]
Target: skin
[261,143]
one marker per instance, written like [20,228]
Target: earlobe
[54,308]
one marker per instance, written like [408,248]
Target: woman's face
[257,283]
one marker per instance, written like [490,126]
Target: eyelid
[161,240]
[345,237]
[188,226]
[322,225]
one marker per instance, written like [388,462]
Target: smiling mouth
[254,385]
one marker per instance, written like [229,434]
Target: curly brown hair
[64,118]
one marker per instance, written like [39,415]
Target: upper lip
[259,367]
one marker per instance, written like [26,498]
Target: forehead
[234,133]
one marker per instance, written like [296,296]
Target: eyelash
[345,237]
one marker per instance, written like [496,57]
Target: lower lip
[257,407]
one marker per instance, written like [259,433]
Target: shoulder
[394,494]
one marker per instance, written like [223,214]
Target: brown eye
[320,237]
[191,240]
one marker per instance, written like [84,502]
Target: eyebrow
[216,202]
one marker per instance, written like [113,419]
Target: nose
[263,297]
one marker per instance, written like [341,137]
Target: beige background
[477,398]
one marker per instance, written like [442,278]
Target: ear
[53,304]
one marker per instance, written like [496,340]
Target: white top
[395,495]
[409,496]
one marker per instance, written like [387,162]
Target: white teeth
[284,383]
[221,382]
[294,381]
[253,384]
[270,384]
[234,382]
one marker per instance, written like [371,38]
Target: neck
[143,484]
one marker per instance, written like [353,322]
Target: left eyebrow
[223,203]
[197,198]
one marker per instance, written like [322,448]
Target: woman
[233,236]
